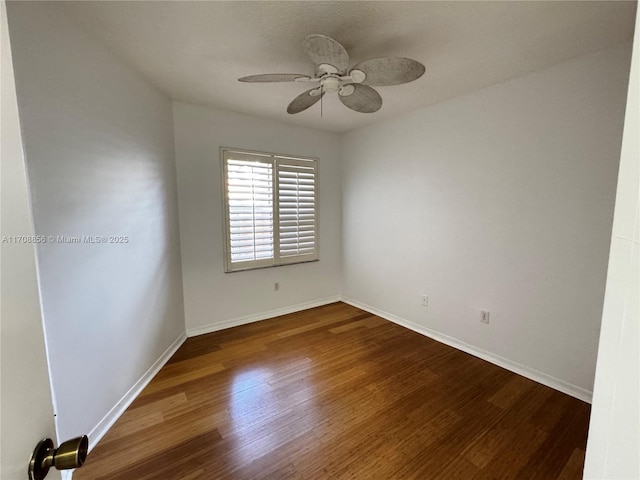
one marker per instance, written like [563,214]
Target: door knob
[71,454]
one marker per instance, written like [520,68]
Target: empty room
[316,239]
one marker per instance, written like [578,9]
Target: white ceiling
[196,51]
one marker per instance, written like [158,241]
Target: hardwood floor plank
[136,422]
[552,410]
[511,391]
[574,466]
[169,378]
[509,428]
[335,392]
[554,453]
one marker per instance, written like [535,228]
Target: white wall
[614,431]
[501,200]
[99,150]
[26,415]
[214,299]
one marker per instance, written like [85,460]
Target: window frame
[274,159]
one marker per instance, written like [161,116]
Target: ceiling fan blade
[364,99]
[325,50]
[304,101]
[389,71]
[274,77]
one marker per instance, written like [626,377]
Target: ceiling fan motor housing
[330,84]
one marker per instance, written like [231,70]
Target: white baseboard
[528,372]
[234,322]
[103,426]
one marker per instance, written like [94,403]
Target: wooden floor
[335,392]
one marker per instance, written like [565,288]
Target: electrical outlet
[484,316]
[425,301]
[276,286]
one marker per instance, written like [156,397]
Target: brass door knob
[71,454]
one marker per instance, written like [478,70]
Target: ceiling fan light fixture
[357,76]
[331,84]
[346,90]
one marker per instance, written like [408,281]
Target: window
[270,208]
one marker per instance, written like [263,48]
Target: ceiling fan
[332,74]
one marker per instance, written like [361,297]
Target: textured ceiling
[196,51]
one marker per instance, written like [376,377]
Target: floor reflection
[264,414]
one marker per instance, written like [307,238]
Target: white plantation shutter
[270,210]
[249,201]
[297,220]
